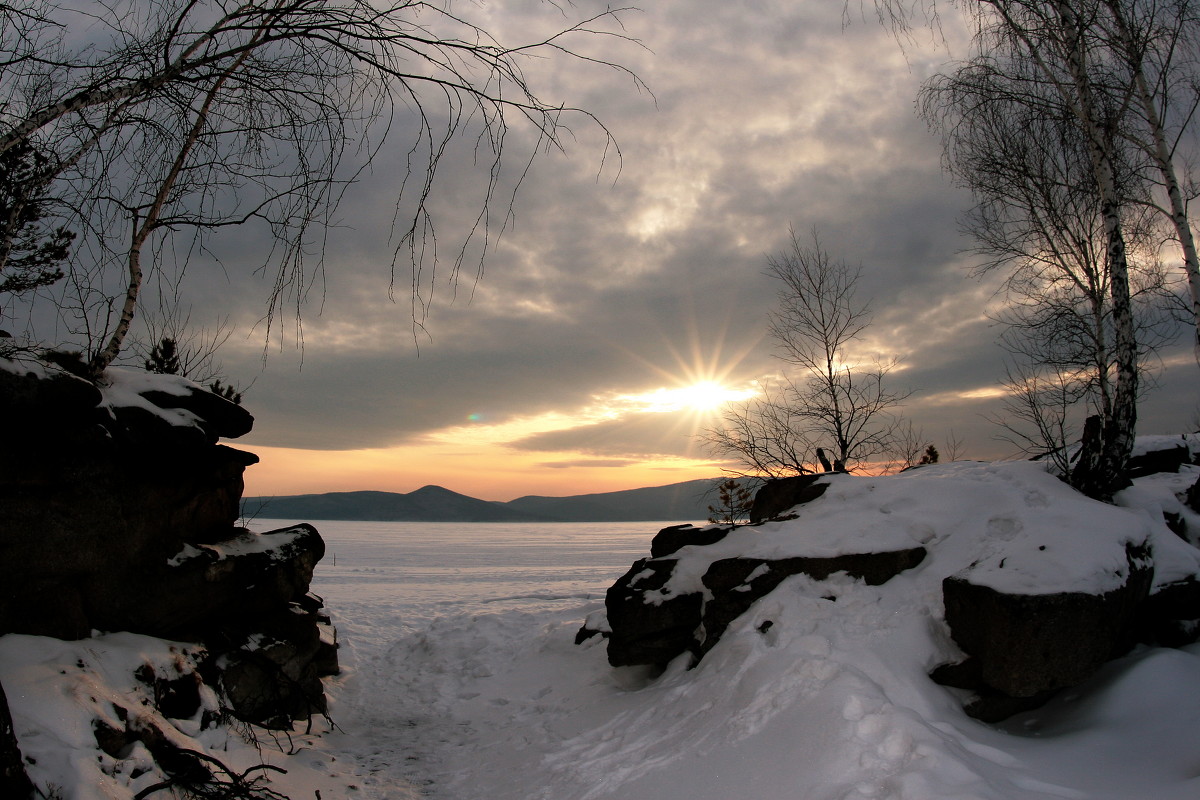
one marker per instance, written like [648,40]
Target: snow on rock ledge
[1041,584]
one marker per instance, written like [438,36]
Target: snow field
[462,680]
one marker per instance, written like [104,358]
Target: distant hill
[680,502]
[427,504]
[676,502]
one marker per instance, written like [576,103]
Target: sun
[708,396]
[702,397]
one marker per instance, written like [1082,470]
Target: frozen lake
[424,570]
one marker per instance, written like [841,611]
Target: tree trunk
[1120,430]
[142,232]
[101,360]
[1160,152]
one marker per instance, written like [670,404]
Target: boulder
[274,675]
[670,540]
[647,626]
[1029,645]
[1192,497]
[1168,459]
[217,416]
[1171,614]
[250,576]
[780,494]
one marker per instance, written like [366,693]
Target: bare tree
[764,435]
[1037,414]
[1057,61]
[1038,221]
[952,447]
[196,346]
[909,448]
[163,123]
[828,396]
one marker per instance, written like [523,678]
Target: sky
[623,280]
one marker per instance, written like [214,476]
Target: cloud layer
[617,275]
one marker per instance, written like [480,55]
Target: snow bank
[1017,529]
[59,691]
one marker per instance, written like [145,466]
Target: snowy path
[453,647]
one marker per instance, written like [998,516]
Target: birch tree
[1156,45]
[1038,223]
[165,122]
[1072,75]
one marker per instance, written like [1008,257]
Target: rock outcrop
[646,626]
[737,583]
[670,540]
[649,622]
[119,511]
[1023,647]
[1033,606]
[1170,616]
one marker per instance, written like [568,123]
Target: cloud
[758,121]
[616,463]
[643,436]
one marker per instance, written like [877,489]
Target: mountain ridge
[686,501]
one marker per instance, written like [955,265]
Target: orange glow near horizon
[495,460]
[478,458]
[488,473]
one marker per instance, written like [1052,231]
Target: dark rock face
[116,519]
[1171,615]
[14,782]
[648,627]
[37,401]
[1169,459]
[107,522]
[1192,497]
[670,540]
[209,585]
[217,416]
[779,494]
[1027,646]
[651,627]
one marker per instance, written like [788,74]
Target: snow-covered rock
[1034,584]
[119,512]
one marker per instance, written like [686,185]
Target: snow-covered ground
[462,680]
